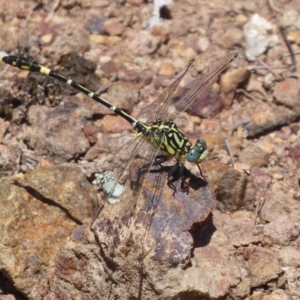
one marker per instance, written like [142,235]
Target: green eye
[198,152]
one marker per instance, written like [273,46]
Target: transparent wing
[190,92]
[138,152]
[151,112]
[168,107]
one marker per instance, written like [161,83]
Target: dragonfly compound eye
[198,152]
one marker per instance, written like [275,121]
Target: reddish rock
[262,265]
[281,231]
[207,104]
[58,131]
[287,93]
[90,132]
[41,211]
[113,27]
[254,156]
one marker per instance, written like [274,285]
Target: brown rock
[110,68]
[207,104]
[136,2]
[233,37]
[279,203]
[238,227]
[113,27]
[294,37]
[198,43]
[235,191]
[257,296]
[104,40]
[115,124]
[278,294]
[153,235]
[292,285]
[40,210]
[287,93]
[294,154]
[262,265]
[290,257]
[230,81]
[90,132]
[161,32]
[290,19]
[214,269]
[124,95]
[58,131]
[2,129]
[254,156]
[281,231]
[161,81]
[167,70]
[140,43]
[8,40]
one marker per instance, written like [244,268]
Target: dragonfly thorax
[169,138]
[174,142]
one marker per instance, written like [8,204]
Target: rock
[115,124]
[290,257]
[3,127]
[290,20]
[262,265]
[294,154]
[233,37]
[286,93]
[8,40]
[167,70]
[294,37]
[278,203]
[198,43]
[281,231]
[207,104]
[113,27]
[235,191]
[90,132]
[40,210]
[150,232]
[57,131]
[230,81]
[214,269]
[259,35]
[254,156]
[105,40]
[124,95]
[140,43]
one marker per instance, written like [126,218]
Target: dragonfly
[158,138]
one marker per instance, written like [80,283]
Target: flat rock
[57,131]
[39,212]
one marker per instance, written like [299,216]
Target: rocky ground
[234,235]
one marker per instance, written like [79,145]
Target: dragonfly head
[198,152]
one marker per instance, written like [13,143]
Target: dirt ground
[235,235]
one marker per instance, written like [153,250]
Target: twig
[260,204]
[105,86]
[288,44]
[288,54]
[248,95]
[228,148]
[253,130]
[245,93]
[277,77]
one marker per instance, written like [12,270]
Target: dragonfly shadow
[203,232]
